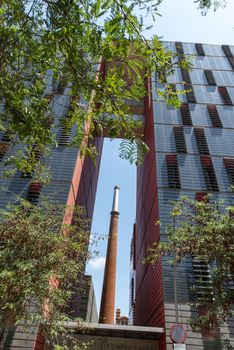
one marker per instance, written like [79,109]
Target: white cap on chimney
[115,205]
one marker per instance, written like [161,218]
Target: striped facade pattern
[148,293]
[193,149]
[219,141]
[73,181]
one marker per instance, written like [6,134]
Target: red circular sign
[178,333]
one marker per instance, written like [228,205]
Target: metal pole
[176,295]
[175,284]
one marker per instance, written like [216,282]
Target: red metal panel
[149,283]
[171,158]
[228,162]
[199,196]
[206,161]
[39,343]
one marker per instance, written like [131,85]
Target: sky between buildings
[180,21]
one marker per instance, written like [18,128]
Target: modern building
[191,153]
[73,181]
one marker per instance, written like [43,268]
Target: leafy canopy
[206,5]
[41,259]
[68,39]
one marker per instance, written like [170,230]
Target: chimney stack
[107,308]
[117,316]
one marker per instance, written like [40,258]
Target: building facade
[120,319]
[191,153]
[73,178]
[73,182]
[88,307]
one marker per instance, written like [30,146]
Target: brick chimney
[117,316]
[107,308]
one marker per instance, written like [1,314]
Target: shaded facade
[191,153]
[88,308]
[73,181]
[73,178]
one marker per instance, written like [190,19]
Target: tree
[204,230]
[40,261]
[71,38]
[206,5]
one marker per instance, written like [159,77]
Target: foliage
[205,231]
[71,38]
[133,150]
[40,263]
[206,5]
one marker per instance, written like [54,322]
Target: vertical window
[201,141]
[179,47]
[60,85]
[186,76]
[6,137]
[231,61]
[37,152]
[209,173]
[179,139]
[200,50]
[229,165]
[214,116]
[227,50]
[181,57]
[34,192]
[64,132]
[229,55]
[161,77]
[202,277]
[3,149]
[173,171]
[4,144]
[171,87]
[201,271]
[210,77]
[132,292]
[225,96]
[190,94]
[185,114]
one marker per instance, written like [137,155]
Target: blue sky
[180,21]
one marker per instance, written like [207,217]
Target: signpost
[179,347]
[178,333]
